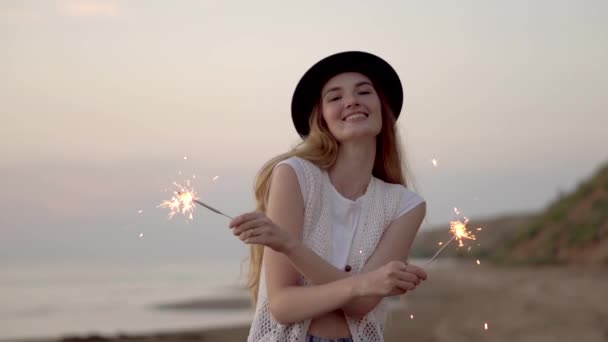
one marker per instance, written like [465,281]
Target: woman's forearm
[312,266]
[320,272]
[298,303]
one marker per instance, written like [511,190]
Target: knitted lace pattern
[379,205]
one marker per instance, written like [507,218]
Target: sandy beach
[518,304]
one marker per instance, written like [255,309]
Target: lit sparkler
[183,201]
[459,231]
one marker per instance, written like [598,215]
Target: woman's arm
[283,267]
[292,303]
[288,301]
[394,245]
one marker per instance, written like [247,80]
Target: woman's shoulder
[402,191]
[398,199]
[306,172]
[410,194]
[299,163]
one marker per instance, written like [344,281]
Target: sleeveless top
[375,210]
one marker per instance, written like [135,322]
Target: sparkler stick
[211,208]
[440,250]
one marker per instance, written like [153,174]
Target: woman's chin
[357,135]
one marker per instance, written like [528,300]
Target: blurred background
[105,104]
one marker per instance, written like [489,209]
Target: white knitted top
[381,204]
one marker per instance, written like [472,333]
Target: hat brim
[308,90]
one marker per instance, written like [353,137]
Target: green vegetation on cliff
[572,229]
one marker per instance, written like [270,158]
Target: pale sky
[101,100]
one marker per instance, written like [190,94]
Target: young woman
[334,221]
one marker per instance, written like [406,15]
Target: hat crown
[308,89]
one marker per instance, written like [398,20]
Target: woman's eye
[334,99]
[365,92]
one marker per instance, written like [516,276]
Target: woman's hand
[256,228]
[394,278]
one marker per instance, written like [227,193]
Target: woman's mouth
[355,117]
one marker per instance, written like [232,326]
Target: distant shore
[518,304]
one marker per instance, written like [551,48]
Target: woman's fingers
[258,240]
[238,230]
[257,229]
[405,285]
[409,277]
[417,271]
[237,221]
[253,232]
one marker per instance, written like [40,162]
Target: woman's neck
[352,171]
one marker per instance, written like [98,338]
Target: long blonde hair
[321,148]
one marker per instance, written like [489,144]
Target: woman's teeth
[355,117]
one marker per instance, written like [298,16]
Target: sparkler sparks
[459,232]
[181,201]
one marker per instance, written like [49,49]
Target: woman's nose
[350,101]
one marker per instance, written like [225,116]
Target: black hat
[308,90]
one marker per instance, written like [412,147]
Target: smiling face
[351,107]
